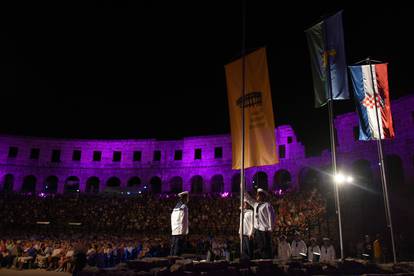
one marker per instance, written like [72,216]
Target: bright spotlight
[339,178]
[349,179]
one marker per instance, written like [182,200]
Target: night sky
[135,69]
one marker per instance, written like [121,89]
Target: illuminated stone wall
[293,169]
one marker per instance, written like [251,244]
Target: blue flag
[326,46]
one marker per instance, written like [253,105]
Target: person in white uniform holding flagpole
[179,224]
[264,223]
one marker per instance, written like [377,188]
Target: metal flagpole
[333,146]
[382,166]
[242,186]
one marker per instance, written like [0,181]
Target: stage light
[128,193]
[339,178]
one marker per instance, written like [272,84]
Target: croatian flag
[369,83]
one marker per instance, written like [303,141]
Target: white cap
[183,193]
[260,190]
[325,239]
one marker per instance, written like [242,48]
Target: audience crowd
[52,231]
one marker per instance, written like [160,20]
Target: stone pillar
[18,182]
[61,186]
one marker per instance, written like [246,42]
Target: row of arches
[71,184]
[281,180]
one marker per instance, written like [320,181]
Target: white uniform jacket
[298,247]
[264,214]
[283,251]
[247,223]
[179,220]
[327,254]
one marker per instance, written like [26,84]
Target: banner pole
[333,145]
[242,186]
[382,167]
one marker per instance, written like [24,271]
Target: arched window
[51,184]
[196,184]
[217,184]
[72,184]
[362,173]
[29,184]
[113,182]
[394,170]
[282,180]
[260,180]
[134,181]
[156,185]
[8,183]
[92,185]
[176,184]
[235,183]
[309,179]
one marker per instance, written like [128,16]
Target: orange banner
[260,144]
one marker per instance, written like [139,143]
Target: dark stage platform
[188,266]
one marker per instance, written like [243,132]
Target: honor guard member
[327,251]
[298,247]
[314,251]
[264,223]
[283,249]
[179,224]
[247,231]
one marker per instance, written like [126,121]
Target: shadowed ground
[13,272]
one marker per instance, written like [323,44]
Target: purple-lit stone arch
[197,184]
[134,181]
[51,184]
[235,183]
[362,173]
[29,184]
[309,178]
[113,182]
[217,183]
[8,183]
[282,180]
[176,184]
[260,180]
[394,170]
[92,185]
[72,184]
[155,184]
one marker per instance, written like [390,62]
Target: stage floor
[14,272]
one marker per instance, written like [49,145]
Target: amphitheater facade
[199,164]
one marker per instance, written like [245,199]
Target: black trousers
[247,247]
[262,244]
[177,245]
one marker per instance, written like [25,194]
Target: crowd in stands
[48,231]
[125,215]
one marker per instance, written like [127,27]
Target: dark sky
[146,69]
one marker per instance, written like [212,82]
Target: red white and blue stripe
[374,122]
